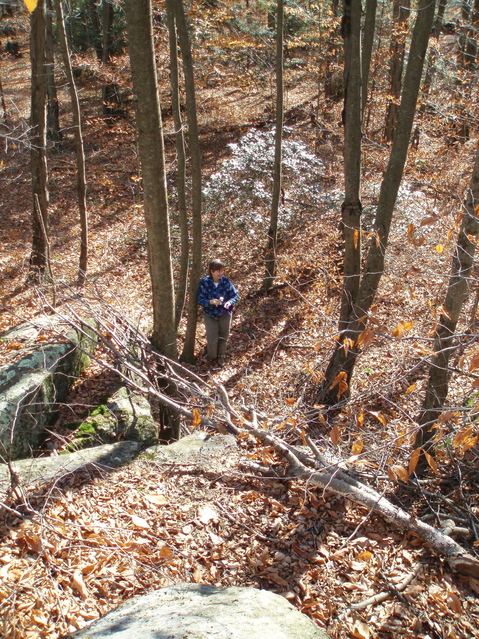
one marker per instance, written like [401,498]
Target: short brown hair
[215,265]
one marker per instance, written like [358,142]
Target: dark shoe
[221,362]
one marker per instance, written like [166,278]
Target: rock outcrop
[46,469]
[32,387]
[197,611]
[125,416]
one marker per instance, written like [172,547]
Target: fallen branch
[382,596]
[141,367]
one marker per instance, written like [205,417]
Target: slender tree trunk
[457,292]
[367,49]
[79,148]
[53,122]
[341,366]
[107,21]
[270,256]
[39,258]
[188,353]
[181,162]
[439,21]
[398,47]
[471,45]
[152,159]
[433,50]
[351,208]
[462,44]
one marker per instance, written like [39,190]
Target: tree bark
[398,47]
[471,44]
[343,359]
[270,256]
[53,122]
[436,32]
[152,159]
[181,163]
[367,49]
[39,258]
[351,207]
[457,293]
[79,148]
[107,21]
[188,353]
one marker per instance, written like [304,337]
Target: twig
[382,596]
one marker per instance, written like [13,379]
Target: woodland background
[83,551]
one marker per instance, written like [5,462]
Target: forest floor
[98,540]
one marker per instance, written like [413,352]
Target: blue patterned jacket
[208,291]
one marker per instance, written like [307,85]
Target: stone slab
[44,469]
[197,611]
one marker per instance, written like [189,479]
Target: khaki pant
[217,332]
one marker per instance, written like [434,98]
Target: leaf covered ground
[72,551]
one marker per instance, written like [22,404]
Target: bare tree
[341,366]
[270,256]
[53,121]
[457,292]
[39,258]
[152,159]
[79,148]
[367,48]
[188,353]
[181,163]
[401,12]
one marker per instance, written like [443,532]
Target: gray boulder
[32,387]
[194,447]
[126,416]
[45,469]
[196,611]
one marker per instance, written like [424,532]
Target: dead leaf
[357,447]
[139,522]
[474,363]
[334,434]
[206,514]
[454,602]
[360,630]
[380,416]
[364,556]
[398,473]
[432,462]
[157,499]
[277,579]
[79,585]
[196,418]
[413,461]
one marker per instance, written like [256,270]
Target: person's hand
[215,302]
[227,304]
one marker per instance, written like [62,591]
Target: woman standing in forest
[217,296]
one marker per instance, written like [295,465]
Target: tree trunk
[351,208]
[188,353]
[79,148]
[398,46]
[439,21]
[152,159]
[270,256]
[181,162]
[368,41]
[457,292]
[341,366]
[107,14]
[39,258]
[53,122]
[471,44]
